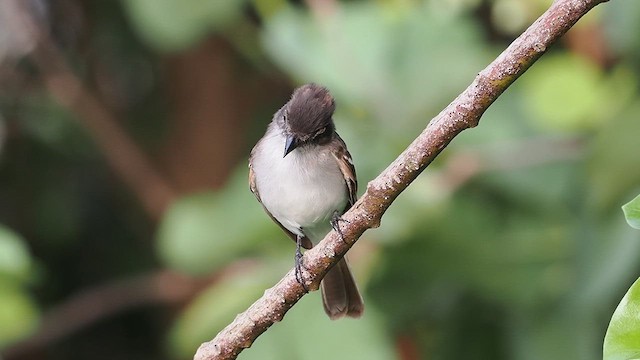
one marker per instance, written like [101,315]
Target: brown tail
[340,295]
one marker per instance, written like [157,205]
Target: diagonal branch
[463,113]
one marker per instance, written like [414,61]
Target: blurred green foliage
[510,246]
[172,25]
[199,234]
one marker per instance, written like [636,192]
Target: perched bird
[303,175]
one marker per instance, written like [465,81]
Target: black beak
[291,144]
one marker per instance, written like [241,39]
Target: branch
[101,302]
[121,152]
[463,113]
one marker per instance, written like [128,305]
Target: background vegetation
[127,229]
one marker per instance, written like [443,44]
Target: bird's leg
[298,263]
[336,219]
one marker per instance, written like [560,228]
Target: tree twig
[128,161]
[463,113]
[100,302]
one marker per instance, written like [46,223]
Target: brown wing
[306,243]
[345,163]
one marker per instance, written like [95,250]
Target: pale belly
[302,191]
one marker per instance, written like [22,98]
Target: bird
[303,175]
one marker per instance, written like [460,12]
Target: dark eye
[320,132]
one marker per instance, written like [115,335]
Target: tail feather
[340,295]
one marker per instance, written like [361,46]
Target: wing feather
[345,163]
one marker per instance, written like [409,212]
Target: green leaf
[622,341]
[308,334]
[15,260]
[632,212]
[385,77]
[216,307]
[305,334]
[175,24]
[204,231]
[611,171]
[18,313]
[267,8]
[565,92]
[621,26]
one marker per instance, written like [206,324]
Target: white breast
[302,190]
